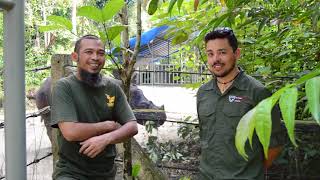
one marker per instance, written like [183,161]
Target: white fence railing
[168,74]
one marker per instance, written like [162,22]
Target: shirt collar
[239,82]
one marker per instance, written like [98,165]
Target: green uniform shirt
[75,101]
[219,115]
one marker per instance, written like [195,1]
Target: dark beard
[91,79]
[228,71]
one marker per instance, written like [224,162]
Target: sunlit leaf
[91,12]
[136,169]
[263,123]
[152,6]
[277,94]
[180,38]
[59,20]
[111,8]
[252,126]
[50,28]
[179,3]
[114,31]
[242,132]
[223,3]
[221,19]
[287,103]
[117,40]
[308,76]
[313,96]
[103,36]
[172,3]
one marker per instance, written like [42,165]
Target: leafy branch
[259,118]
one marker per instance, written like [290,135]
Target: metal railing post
[14,90]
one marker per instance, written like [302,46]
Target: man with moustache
[221,103]
[92,114]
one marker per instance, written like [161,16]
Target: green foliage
[287,102]
[244,131]
[260,116]
[277,38]
[111,9]
[313,95]
[262,123]
[101,15]
[59,23]
[185,178]
[152,6]
[102,20]
[172,3]
[135,170]
[114,31]
[91,12]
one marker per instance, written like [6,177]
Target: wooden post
[59,62]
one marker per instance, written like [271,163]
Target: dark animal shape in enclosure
[144,109]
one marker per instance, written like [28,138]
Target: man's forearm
[123,133]
[75,131]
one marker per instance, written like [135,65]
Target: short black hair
[221,33]
[78,42]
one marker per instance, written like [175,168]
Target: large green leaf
[59,20]
[152,7]
[179,3]
[114,31]
[103,37]
[91,12]
[172,3]
[263,123]
[287,102]
[243,131]
[308,76]
[117,40]
[180,38]
[252,125]
[50,28]
[111,9]
[313,96]
[275,96]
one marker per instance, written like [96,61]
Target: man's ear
[237,53]
[74,56]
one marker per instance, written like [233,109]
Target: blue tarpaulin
[148,36]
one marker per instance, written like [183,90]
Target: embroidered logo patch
[110,100]
[235,98]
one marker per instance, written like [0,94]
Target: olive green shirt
[219,115]
[75,101]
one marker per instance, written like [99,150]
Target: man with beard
[92,114]
[221,103]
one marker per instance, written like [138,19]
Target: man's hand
[94,146]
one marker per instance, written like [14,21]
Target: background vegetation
[279,40]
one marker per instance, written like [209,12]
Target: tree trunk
[125,74]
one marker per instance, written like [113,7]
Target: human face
[91,56]
[221,58]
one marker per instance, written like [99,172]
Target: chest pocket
[207,115]
[233,111]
